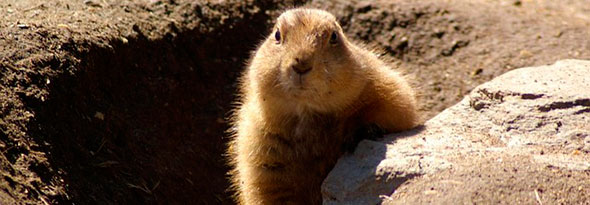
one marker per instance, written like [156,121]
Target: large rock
[523,137]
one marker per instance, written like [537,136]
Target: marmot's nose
[301,67]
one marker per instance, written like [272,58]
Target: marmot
[304,93]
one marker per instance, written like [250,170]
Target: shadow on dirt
[143,121]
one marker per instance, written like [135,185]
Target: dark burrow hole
[143,121]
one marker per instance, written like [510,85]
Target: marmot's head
[307,61]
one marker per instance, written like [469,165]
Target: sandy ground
[107,101]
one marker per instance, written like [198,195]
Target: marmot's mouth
[298,81]
[299,85]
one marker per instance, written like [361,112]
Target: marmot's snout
[301,66]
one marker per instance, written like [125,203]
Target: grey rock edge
[520,113]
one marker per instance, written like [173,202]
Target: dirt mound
[123,103]
[453,46]
[106,101]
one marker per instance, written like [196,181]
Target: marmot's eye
[278,36]
[334,38]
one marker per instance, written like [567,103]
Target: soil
[124,102]
[450,47]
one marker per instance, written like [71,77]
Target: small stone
[517,3]
[525,54]
[99,115]
[63,26]
[22,26]
[92,3]
[576,152]
[477,72]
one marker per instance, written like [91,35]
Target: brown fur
[289,129]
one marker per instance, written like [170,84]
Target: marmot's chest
[313,127]
[312,136]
